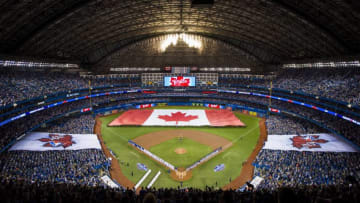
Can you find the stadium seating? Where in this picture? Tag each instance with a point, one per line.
(82, 167)
(67, 166)
(340, 85)
(276, 166)
(277, 125)
(17, 86)
(294, 168)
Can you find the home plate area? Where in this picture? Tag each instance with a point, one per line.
(177, 117)
(180, 150)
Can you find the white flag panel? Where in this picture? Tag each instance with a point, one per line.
(309, 142)
(43, 141)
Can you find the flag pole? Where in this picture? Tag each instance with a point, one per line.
(90, 93)
(270, 91)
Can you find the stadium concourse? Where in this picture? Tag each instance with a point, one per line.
(269, 86)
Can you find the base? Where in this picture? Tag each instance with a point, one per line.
(181, 174)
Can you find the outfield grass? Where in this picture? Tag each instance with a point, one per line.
(244, 140)
(194, 151)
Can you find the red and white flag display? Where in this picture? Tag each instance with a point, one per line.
(309, 142)
(42, 141)
(175, 117)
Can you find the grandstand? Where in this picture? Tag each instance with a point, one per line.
(180, 100)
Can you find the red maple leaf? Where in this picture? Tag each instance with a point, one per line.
(56, 140)
(179, 81)
(178, 116)
(307, 141)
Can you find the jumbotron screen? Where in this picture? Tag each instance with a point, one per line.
(179, 81)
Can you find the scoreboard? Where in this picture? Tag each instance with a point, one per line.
(179, 81)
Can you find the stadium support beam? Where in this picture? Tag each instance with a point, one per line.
(80, 4)
(106, 52)
(310, 21)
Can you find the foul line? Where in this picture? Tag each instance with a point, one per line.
(237, 139)
(246, 134)
(153, 180)
(113, 133)
(142, 179)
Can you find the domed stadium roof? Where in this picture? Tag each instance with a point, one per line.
(260, 31)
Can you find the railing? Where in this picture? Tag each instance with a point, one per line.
(293, 92)
(63, 93)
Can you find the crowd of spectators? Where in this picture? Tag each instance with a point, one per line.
(342, 127)
(342, 85)
(17, 86)
(277, 125)
(336, 84)
(295, 168)
(18, 127)
(78, 125)
(84, 166)
(20, 191)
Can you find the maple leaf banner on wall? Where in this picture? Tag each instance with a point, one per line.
(309, 142)
(43, 141)
(142, 106)
(175, 117)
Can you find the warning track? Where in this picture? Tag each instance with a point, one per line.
(115, 170)
(247, 170)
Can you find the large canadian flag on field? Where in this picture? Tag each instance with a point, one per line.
(43, 141)
(177, 117)
(309, 142)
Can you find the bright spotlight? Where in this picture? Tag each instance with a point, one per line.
(190, 40)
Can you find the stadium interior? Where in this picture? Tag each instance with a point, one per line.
(100, 98)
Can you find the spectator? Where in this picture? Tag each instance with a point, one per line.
(295, 168)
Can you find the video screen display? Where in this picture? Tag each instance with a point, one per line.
(179, 81)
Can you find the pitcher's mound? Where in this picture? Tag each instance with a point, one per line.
(180, 151)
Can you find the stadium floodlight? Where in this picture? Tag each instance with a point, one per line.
(339, 64)
(31, 64)
(190, 40)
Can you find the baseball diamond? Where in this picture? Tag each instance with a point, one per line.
(237, 144)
